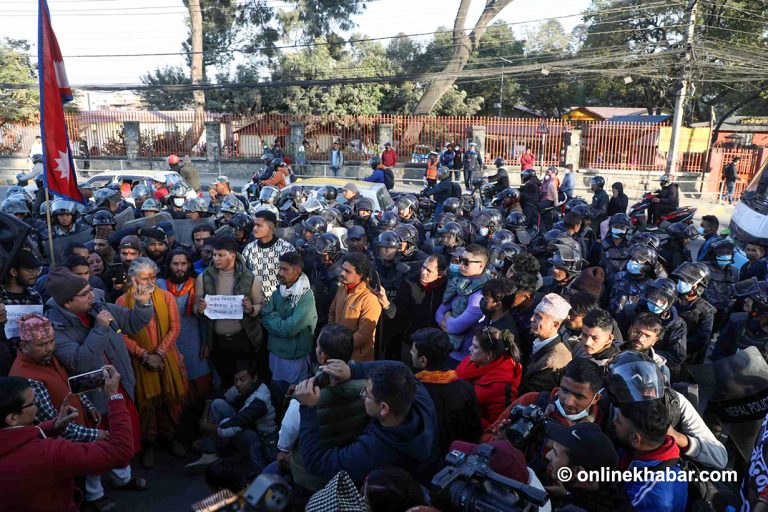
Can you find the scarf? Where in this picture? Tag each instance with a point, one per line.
(434, 285)
(460, 288)
(166, 387)
(437, 377)
(188, 288)
(296, 291)
(350, 288)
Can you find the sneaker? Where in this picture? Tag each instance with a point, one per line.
(202, 463)
(100, 505)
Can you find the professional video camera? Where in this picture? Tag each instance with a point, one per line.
(525, 423)
(268, 493)
(468, 484)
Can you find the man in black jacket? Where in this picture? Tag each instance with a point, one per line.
(730, 175)
(442, 190)
(666, 201)
(500, 180)
(458, 414)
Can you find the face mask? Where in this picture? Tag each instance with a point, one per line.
(684, 288)
(724, 261)
(579, 415)
(655, 308)
(634, 267)
(454, 267)
(700, 230)
(483, 231)
(178, 201)
(617, 233)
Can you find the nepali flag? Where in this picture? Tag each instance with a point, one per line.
(59, 176)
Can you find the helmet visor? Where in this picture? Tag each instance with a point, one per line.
(636, 381)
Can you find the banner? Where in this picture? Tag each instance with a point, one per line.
(224, 307)
(59, 174)
(16, 312)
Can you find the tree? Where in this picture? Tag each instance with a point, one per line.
(196, 28)
(17, 105)
(463, 44)
(548, 37)
(157, 99)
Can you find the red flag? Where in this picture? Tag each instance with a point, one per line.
(59, 175)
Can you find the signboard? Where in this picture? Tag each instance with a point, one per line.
(224, 307)
(542, 129)
(690, 140)
(14, 313)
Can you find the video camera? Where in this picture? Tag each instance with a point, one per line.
(525, 423)
(468, 484)
(268, 493)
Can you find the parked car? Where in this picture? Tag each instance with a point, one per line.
(420, 154)
(138, 177)
(376, 192)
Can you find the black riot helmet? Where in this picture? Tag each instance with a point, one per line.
(527, 175)
(682, 230)
(643, 255)
(499, 162)
(597, 181)
(388, 240)
(345, 211)
(442, 220)
(328, 193)
(634, 377)
(332, 217)
(487, 190)
(660, 295)
(388, 221)
(103, 218)
(410, 235)
(502, 236)
(363, 204)
(375, 161)
(620, 220)
(242, 221)
(269, 195)
(452, 229)
(325, 243)
(516, 221)
(567, 255)
(646, 239)
(691, 276)
(452, 205)
(314, 224)
(510, 196)
(500, 256)
(488, 218)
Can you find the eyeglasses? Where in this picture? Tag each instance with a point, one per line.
(466, 261)
(85, 293)
(29, 405)
(364, 394)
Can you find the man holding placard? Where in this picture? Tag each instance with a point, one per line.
(17, 296)
(234, 330)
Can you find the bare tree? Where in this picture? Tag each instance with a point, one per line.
(196, 28)
(463, 45)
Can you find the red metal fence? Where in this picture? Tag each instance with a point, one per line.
(603, 144)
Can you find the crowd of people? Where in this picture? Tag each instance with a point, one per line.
(372, 351)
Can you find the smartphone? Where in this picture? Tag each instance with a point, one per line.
(87, 381)
(375, 280)
(117, 270)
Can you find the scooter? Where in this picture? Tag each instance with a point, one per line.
(638, 213)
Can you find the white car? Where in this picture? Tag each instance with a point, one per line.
(139, 177)
(376, 192)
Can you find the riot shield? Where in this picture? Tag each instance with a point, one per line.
(183, 228)
(61, 244)
(123, 217)
(146, 222)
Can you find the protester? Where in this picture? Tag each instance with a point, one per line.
(262, 255)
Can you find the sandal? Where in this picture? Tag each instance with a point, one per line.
(136, 483)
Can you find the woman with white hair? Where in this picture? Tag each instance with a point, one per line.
(161, 382)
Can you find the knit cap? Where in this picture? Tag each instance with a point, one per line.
(63, 285)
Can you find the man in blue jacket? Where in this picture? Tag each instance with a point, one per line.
(403, 432)
(378, 171)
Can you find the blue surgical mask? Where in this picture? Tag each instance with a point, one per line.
(684, 288)
(483, 231)
(579, 415)
(634, 267)
(617, 232)
(724, 261)
(655, 308)
(700, 230)
(454, 267)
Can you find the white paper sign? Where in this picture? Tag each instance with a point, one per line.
(224, 307)
(14, 313)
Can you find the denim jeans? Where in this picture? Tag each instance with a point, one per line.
(729, 188)
(335, 170)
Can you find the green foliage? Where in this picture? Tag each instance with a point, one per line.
(17, 105)
(156, 99)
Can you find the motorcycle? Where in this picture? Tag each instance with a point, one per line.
(638, 213)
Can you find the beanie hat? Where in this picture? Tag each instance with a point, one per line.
(63, 285)
(34, 326)
(590, 281)
(554, 306)
(131, 242)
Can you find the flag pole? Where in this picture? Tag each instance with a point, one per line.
(50, 229)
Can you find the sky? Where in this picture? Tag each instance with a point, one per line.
(113, 27)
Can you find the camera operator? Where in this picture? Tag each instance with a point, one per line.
(403, 432)
(574, 401)
(38, 468)
(582, 447)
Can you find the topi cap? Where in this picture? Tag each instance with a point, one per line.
(34, 326)
(554, 306)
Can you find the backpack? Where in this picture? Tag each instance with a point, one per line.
(389, 178)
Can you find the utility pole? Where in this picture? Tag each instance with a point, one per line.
(501, 90)
(680, 101)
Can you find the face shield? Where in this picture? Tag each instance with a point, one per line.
(636, 381)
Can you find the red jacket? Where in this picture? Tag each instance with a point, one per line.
(37, 473)
(495, 385)
(389, 158)
(527, 161)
